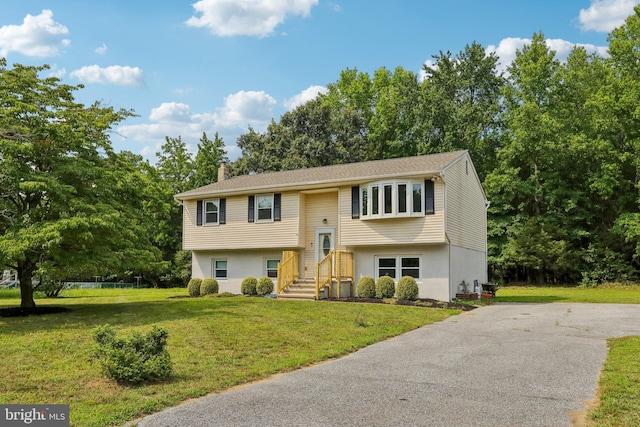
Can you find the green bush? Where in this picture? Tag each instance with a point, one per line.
(407, 288)
(209, 286)
(135, 358)
(366, 287)
(194, 287)
(264, 286)
(249, 286)
(226, 295)
(385, 287)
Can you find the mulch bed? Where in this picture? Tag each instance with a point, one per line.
(23, 312)
(421, 302)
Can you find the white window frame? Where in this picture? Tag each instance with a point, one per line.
(398, 265)
(216, 202)
(257, 208)
(367, 192)
(267, 269)
(214, 269)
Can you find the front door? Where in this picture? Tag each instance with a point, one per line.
(325, 242)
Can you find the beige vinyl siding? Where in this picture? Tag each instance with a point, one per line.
(391, 231)
(238, 233)
(466, 212)
(318, 206)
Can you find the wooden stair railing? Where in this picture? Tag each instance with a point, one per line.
(336, 265)
(288, 269)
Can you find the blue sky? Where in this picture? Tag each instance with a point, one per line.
(223, 65)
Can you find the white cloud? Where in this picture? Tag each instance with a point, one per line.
(171, 112)
(100, 50)
(303, 97)
(605, 15)
(173, 119)
(37, 36)
(246, 17)
(57, 72)
(506, 49)
(246, 108)
(115, 74)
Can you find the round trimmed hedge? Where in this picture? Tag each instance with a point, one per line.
(366, 287)
(248, 286)
(209, 286)
(194, 287)
(407, 288)
(264, 286)
(385, 287)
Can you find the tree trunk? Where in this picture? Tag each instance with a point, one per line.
(25, 273)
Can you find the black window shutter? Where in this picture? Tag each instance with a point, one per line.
(222, 215)
(355, 202)
(429, 198)
(199, 212)
(276, 207)
(252, 208)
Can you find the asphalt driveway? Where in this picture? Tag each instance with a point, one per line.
(502, 365)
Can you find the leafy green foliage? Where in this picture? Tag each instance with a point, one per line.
(385, 287)
(407, 289)
(51, 288)
(248, 286)
(209, 286)
(264, 286)
(133, 359)
(70, 205)
(210, 155)
(194, 287)
(366, 287)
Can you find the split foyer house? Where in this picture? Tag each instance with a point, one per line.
(321, 229)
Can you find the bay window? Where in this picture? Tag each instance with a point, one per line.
(392, 199)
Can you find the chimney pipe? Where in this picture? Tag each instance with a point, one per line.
(223, 173)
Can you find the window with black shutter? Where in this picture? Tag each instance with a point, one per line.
(429, 198)
(252, 208)
(199, 212)
(223, 211)
(355, 202)
(276, 207)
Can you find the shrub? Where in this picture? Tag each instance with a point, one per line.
(209, 286)
(407, 288)
(264, 286)
(226, 295)
(194, 287)
(249, 286)
(366, 287)
(135, 358)
(385, 287)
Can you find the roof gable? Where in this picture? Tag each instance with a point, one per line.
(328, 175)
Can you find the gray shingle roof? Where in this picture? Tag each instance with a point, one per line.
(324, 176)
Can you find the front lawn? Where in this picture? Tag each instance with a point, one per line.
(215, 343)
(618, 294)
(619, 392)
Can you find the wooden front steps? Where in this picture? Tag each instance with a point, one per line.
(302, 289)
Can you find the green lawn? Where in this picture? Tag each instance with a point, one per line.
(619, 391)
(609, 294)
(215, 343)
